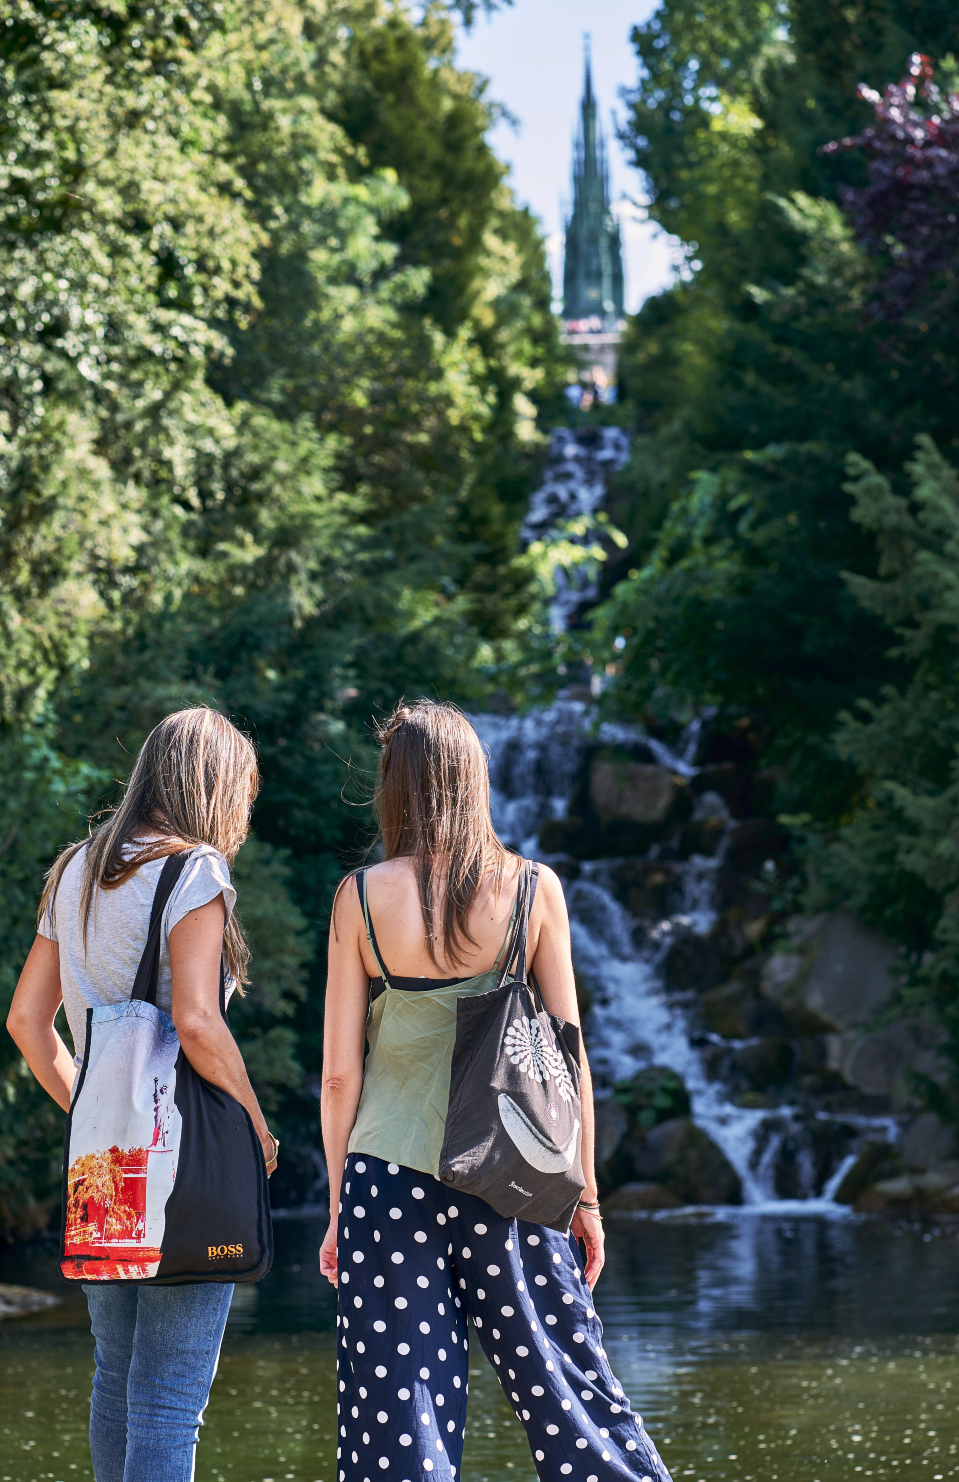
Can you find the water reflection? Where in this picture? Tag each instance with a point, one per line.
(759, 1348)
(741, 1271)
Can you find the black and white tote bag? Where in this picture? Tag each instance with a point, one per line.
(164, 1179)
(514, 1127)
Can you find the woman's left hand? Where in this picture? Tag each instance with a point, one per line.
(328, 1255)
(588, 1228)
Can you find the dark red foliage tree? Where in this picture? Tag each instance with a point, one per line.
(908, 212)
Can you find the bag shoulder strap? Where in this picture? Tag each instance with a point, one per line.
(370, 933)
(530, 897)
(148, 973)
(516, 948)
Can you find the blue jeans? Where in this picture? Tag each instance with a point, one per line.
(157, 1349)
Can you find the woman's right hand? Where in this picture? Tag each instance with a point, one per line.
(328, 1255)
(271, 1151)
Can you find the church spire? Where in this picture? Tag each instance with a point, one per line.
(593, 274)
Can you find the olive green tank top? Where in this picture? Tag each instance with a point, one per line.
(401, 1116)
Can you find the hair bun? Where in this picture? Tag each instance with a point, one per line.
(385, 732)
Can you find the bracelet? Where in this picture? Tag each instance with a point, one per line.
(590, 1208)
(276, 1147)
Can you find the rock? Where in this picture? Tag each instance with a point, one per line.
(801, 1152)
(649, 889)
(786, 1145)
(934, 1191)
(703, 835)
(753, 1101)
(805, 929)
(18, 1301)
(780, 974)
(722, 1010)
(849, 979)
(766, 1064)
(754, 840)
(831, 1139)
(875, 1063)
(684, 1158)
(612, 1125)
(782, 981)
(940, 1176)
(716, 1060)
(566, 867)
(735, 1012)
(692, 962)
(636, 1196)
(631, 792)
(654, 1094)
(875, 1159)
(927, 1140)
(561, 835)
(726, 779)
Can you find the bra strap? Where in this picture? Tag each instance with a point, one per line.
(511, 927)
(370, 933)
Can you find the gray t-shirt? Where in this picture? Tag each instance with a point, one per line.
(118, 928)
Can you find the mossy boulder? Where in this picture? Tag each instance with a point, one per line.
(633, 1197)
(653, 1095)
(684, 1158)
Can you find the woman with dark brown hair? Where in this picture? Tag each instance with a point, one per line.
(411, 1259)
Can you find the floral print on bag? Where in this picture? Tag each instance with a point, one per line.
(529, 1049)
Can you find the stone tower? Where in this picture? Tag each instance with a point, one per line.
(593, 273)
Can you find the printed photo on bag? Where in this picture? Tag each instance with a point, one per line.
(124, 1146)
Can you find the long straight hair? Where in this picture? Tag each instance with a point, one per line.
(432, 806)
(193, 782)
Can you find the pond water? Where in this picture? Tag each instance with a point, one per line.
(760, 1346)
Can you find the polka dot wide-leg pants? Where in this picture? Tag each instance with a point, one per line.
(415, 1261)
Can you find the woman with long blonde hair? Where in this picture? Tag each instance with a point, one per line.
(411, 1258)
(191, 789)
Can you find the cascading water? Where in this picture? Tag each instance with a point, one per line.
(633, 1021)
(573, 488)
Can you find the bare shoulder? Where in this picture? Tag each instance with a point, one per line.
(549, 895)
(400, 868)
(346, 912)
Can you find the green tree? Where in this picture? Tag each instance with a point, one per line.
(897, 860)
(757, 374)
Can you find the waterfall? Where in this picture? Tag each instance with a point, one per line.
(633, 1021)
(572, 489)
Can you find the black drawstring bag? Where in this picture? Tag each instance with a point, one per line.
(514, 1127)
(164, 1180)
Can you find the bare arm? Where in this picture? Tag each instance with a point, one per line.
(30, 1022)
(551, 960)
(344, 1032)
(196, 943)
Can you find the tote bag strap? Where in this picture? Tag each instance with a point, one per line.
(524, 926)
(148, 973)
(516, 951)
